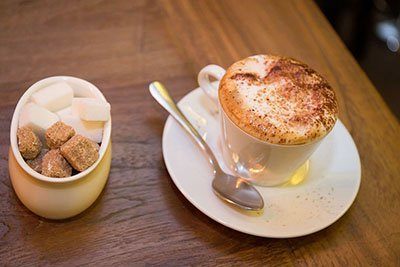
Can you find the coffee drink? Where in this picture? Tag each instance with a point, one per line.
(278, 100)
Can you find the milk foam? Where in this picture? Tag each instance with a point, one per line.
(278, 100)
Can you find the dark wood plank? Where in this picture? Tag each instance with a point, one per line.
(141, 218)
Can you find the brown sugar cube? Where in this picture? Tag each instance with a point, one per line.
(29, 143)
(54, 165)
(80, 152)
(36, 163)
(58, 133)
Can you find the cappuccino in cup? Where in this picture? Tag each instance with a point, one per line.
(274, 112)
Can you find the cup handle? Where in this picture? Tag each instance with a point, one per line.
(204, 80)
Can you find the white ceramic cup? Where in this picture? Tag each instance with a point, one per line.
(59, 198)
(257, 161)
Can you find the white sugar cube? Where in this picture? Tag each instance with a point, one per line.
(54, 97)
(37, 118)
(91, 109)
(65, 112)
(90, 129)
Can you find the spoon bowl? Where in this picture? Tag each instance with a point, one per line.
(237, 191)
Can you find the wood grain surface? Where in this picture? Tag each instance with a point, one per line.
(141, 218)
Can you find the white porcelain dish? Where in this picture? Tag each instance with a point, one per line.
(326, 193)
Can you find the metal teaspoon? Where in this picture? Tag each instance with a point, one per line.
(232, 189)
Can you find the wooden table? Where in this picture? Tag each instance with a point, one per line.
(141, 217)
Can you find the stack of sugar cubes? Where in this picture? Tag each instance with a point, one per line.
(59, 133)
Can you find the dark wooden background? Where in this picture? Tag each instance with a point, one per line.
(141, 217)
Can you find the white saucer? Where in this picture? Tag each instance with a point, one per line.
(318, 201)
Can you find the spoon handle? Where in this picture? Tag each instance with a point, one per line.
(161, 95)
